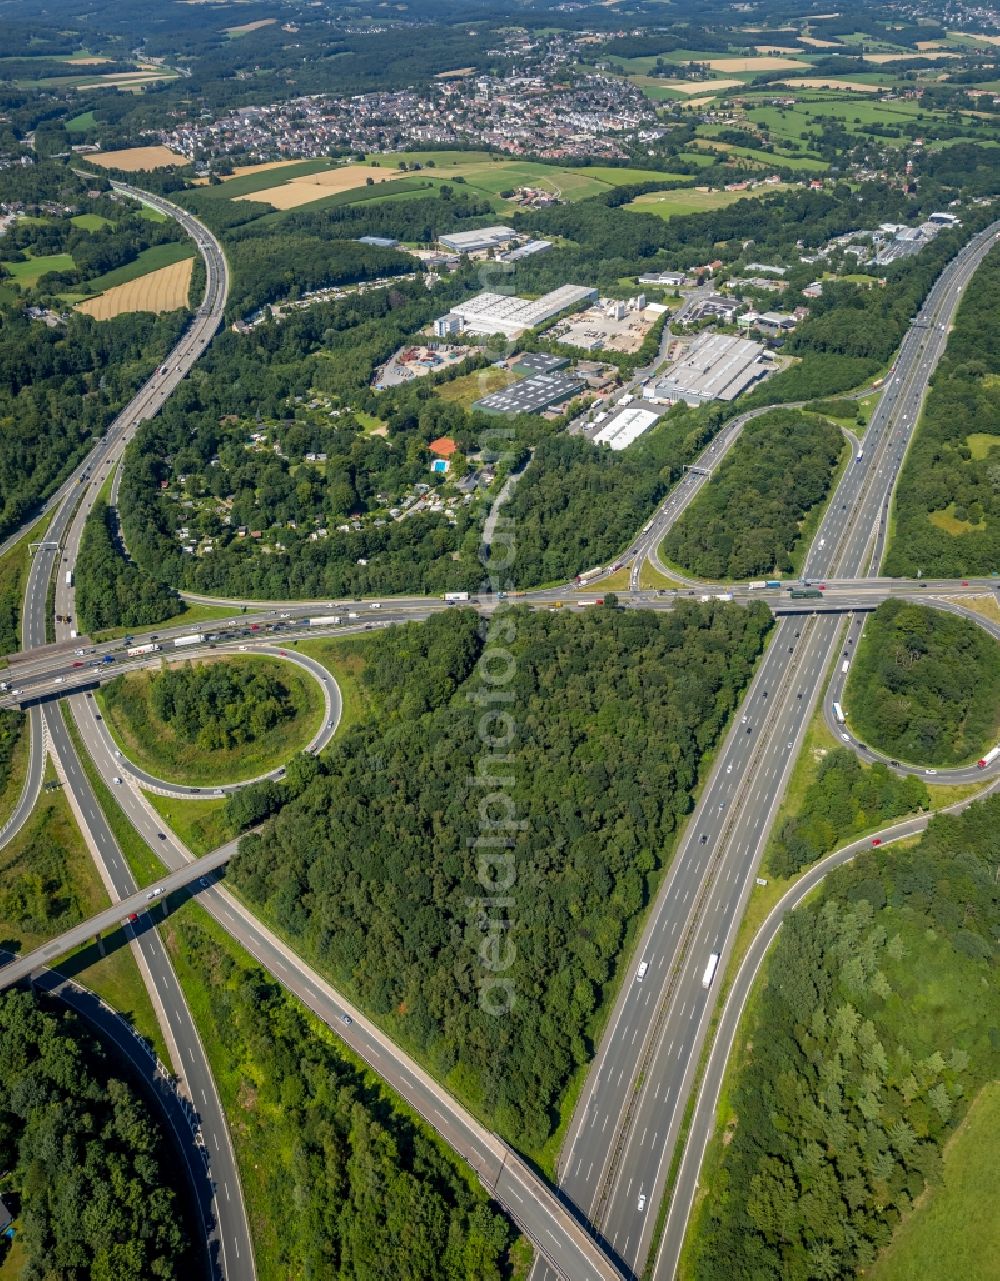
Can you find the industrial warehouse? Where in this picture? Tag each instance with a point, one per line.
(532, 395)
(507, 314)
(714, 367)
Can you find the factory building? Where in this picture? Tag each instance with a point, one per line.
(506, 314)
(532, 395)
(483, 238)
(715, 367)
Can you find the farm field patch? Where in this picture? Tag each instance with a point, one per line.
(162, 290)
(133, 159)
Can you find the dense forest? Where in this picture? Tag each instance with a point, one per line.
(219, 704)
(370, 871)
(925, 685)
(876, 1024)
(748, 519)
(111, 590)
(342, 1183)
(61, 387)
(947, 503)
(88, 1167)
(845, 799)
(577, 505)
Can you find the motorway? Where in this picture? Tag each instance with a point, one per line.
(227, 1232)
(621, 1140)
(614, 1165)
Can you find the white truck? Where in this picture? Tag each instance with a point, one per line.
(69, 578)
(193, 638)
(324, 620)
(845, 667)
(710, 968)
(137, 650)
(989, 758)
(456, 596)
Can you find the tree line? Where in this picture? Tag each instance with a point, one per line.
(870, 1034)
(370, 870)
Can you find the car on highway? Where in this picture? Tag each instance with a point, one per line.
(117, 780)
(930, 771)
(203, 882)
(346, 1018)
(77, 664)
(130, 919)
(846, 737)
(876, 840)
(641, 1203)
(154, 893)
(161, 836)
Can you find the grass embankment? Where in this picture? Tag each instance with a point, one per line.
(14, 567)
(344, 658)
(201, 825)
(142, 862)
(15, 741)
(954, 1228)
(157, 747)
(48, 883)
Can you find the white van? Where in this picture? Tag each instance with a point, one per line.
(640, 973)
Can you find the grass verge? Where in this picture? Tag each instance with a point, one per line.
(201, 825)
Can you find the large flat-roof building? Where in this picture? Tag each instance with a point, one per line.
(471, 242)
(625, 426)
(715, 367)
(532, 395)
(507, 314)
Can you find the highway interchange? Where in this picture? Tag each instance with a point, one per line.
(618, 1150)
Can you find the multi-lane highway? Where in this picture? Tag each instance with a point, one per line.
(616, 1159)
(614, 1165)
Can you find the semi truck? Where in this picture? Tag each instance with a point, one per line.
(838, 712)
(989, 758)
(805, 593)
(193, 638)
(136, 650)
(69, 578)
(450, 596)
(324, 620)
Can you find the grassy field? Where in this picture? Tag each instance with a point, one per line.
(471, 387)
(90, 222)
(154, 746)
(954, 1229)
(673, 204)
(85, 120)
(28, 273)
(201, 825)
(344, 658)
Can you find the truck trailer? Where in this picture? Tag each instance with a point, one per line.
(324, 620)
(136, 650)
(193, 638)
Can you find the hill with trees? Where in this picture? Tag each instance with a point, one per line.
(88, 1165)
(369, 872)
(748, 520)
(875, 1025)
(925, 685)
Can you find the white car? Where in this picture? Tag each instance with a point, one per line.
(846, 737)
(641, 1203)
(117, 780)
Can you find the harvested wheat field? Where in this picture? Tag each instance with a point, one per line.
(755, 64)
(817, 82)
(699, 86)
(820, 44)
(162, 290)
(930, 55)
(240, 171)
(134, 158)
(247, 27)
(314, 186)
